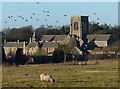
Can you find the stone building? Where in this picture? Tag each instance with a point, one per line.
(78, 31)
(11, 47)
(33, 46)
(100, 40)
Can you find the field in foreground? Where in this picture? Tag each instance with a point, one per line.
(104, 74)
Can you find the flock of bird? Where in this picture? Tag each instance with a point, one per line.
(34, 14)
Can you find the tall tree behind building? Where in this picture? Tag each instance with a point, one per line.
(23, 33)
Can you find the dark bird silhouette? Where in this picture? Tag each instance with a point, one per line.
(5, 21)
(15, 20)
(48, 15)
(22, 18)
(43, 11)
(37, 19)
(26, 20)
(56, 21)
(47, 11)
(8, 16)
(94, 13)
(11, 16)
(97, 18)
(26, 74)
(33, 13)
(45, 20)
(65, 15)
(31, 17)
(37, 2)
(97, 22)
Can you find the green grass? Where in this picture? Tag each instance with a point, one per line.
(104, 74)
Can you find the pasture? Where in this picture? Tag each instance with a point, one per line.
(103, 74)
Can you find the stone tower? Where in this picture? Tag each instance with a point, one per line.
(79, 27)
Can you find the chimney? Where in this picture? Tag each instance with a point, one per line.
(4, 40)
(24, 50)
(30, 40)
(18, 41)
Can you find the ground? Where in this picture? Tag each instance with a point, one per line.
(102, 74)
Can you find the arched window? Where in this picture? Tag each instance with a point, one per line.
(75, 25)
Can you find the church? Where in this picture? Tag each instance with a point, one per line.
(79, 31)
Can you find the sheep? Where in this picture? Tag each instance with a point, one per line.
(46, 77)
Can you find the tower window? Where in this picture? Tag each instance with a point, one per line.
(75, 25)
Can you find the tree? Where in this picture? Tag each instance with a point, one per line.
(65, 30)
(61, 52)
(19, 57)
(93, 27)
(4, 59)
(23, 33)
(58, 55)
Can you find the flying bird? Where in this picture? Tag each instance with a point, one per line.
(8, 16)
(22, 18)
(26, 20)
(15, 20)
(65, 15)
(97, 22)
(5, 21)
(37, 19)
(31, 17)
(37, 2)
(45, 20)
(11, 16)
(47, 11)
(33, 13)
(48, 15)
(94, 13)
(97, 18)
(56, 21)
(43, 11)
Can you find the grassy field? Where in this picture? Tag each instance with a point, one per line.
(104, 74)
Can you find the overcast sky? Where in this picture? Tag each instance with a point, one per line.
(56, 13)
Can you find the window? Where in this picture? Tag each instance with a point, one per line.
(75, 25)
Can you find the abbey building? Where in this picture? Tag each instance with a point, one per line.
(79, 31)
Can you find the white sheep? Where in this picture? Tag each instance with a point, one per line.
(46, 77)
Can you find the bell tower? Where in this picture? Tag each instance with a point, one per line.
(79, 27)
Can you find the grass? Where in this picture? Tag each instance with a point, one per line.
(104, 74)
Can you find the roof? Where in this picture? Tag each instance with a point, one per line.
(14, 44)
(53, 37)
(50, 44)
(33, 44)
(47, 37)
(60, 37)
(100, 37)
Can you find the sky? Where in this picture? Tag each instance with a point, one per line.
(56, 13)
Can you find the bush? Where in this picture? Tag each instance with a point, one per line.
(58, 55)
(98, 56)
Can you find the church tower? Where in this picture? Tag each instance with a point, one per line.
(79, 27)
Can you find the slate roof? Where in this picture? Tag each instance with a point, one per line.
(50, 44)
(59, 37)
(47, 37)
(100, 37)
(13, 44)
(33, 44)
(53, 37)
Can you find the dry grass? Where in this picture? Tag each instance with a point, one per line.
(103, 74)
